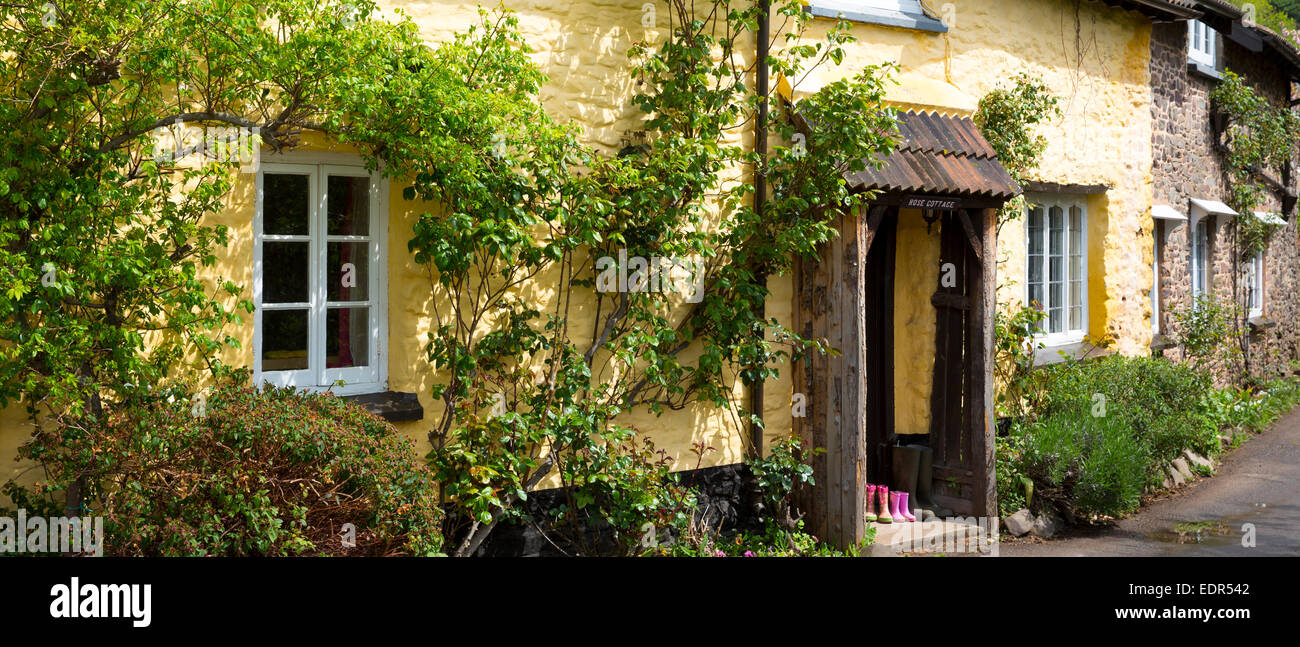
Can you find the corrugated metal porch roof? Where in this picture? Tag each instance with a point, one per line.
(940, 155)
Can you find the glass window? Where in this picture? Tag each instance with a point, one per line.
(1156, 234)
(1202, 43)
(318, 263)
(1200, 258)
(1057, 266)
(1255, 285)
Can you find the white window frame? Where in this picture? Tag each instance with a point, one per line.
(1046, 202)
(1255, 285)
(1200, 267)
(1155, 277)
(1202, 44)
(373, 377)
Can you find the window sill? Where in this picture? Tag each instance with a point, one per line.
(1201, 69)
(919, 22)
(390, 405)
(1059, 352)
(1259, 324)
(1160, 342)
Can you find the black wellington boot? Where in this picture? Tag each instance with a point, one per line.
(924, 504)
(906, 463)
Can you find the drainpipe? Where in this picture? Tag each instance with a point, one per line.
(760, 198)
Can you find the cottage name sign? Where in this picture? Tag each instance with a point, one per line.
(937, 202)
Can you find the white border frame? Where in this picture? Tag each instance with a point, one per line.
(1047, 339)
(358, 380)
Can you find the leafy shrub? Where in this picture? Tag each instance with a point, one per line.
(772, 541)
(1162, 402)
(779, 473)
(1254, 411)
(1086, 465)
(1014, 349)
(624, 485)
(1207, 332)
(270, 473)
(1014, 488)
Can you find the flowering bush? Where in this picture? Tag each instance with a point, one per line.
(267, 473)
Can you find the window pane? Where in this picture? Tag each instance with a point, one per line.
(285, 271)
(1057, 227)
(1076, 230)
(349, 206)
(284, 340)
(1036, 295)
(1201, 275)
(347, 273)
(346, 337)
(1076, 305)
(1056, 313)
(1036, 230)
(286, 204)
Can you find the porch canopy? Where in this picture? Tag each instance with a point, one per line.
(944, 167)
(940, 155)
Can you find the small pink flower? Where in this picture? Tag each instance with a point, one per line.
(750, 553)
(718, 553)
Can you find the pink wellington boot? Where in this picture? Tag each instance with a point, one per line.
(893, 507)
(871, 503)
(903, 506)
(884, 517)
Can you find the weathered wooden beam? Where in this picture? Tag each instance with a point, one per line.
(1032, 186)
(950, 300)
(971, 236)
(835, 413)
(873, 220)
(853, 430)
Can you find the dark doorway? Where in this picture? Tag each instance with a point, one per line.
(878, 306)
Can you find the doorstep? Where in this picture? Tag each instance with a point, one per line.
(894, 539)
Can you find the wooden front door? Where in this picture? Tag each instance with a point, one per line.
(959, 429)
(949, 426)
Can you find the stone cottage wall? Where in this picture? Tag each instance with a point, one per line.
(1187, 165)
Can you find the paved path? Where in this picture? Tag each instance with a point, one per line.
(1257, 484)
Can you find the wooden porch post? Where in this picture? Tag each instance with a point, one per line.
(829, 305)
(982, 429)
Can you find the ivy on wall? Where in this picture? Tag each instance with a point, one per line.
(1257, 138)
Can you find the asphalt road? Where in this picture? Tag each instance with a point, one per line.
(1258, 484)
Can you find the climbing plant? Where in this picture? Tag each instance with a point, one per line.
(536, 357)
(1007, 117)
(535, 383)
(1256, 138)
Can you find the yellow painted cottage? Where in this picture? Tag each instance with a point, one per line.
(916, 338)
